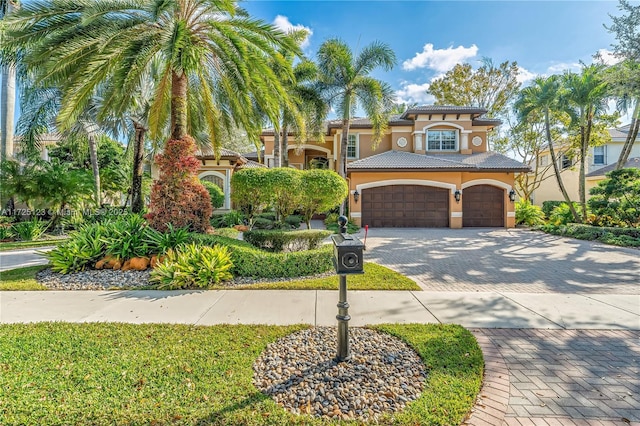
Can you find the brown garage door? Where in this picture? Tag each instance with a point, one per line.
(482, 205)
(405, 206)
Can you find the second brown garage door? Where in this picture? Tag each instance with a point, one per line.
(405, 206)
(482, 205)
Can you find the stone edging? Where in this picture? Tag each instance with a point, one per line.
(492, 401)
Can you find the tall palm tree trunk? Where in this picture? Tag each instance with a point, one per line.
(556, 168)
(342, 165)
(137, 202)
(178, 105)
(93, 156)
(285, 145)
(276, 148)
(631, 137)
(8, 100)
(584, 148)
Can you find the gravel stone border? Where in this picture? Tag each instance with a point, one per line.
(300, 374)
(109, 279)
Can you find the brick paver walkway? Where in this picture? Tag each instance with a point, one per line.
(532, 377)
(560, 377)
(513, 260)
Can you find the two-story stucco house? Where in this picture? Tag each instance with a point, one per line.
(431, 169)
(602, 159)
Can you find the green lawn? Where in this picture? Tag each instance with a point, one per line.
(21, 279)
(15, 245)
(375, 277)
(152, 374)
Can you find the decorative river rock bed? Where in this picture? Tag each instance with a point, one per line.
(300, 374)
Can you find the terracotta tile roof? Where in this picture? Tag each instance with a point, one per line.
(443, 109)
(401, 160)
(250, 164)
(207, 152)
(620, 132)
(631, 163)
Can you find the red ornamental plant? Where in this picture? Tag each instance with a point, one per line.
(177, 197)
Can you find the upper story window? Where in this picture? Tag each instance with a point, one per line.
(442, 140)
(352, 146)
(543, 160)
(599, 155)
(565, 162)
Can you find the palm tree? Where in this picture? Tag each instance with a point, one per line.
(8, 100)
(543, 97)
(624, 82)
(345, 82)
(586, 95)
(210, 50)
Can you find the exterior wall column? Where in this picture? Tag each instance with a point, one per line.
(464, 142)
(418, 146)
(227, 189)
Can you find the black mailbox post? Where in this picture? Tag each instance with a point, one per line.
(347, 259)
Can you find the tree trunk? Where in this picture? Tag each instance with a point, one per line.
(93, 156)
(342, 165)
(276, 148)
(137, 201)
(8, 111)
(8, 100)
(631, 137)
(285, 145)
(178, 105)
(584, 149)
(556, 168)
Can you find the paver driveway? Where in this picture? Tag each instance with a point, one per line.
(509, 260)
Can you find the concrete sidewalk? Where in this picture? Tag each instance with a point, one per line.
(471, 309)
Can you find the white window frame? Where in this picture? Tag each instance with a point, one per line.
(356, 137)
(564, 157)
(604, 155)
(456, 133)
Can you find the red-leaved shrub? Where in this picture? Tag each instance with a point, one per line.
(178, 197)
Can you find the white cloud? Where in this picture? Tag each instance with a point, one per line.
(441, 60)
(414, 93)
(283, 24)
(561, 67)
(525, 75)
(608, 57)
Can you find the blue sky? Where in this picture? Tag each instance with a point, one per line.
(430, 37)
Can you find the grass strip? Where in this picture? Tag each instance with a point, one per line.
(375, 277)
(17, 245)
(112, 373)
(21, 279)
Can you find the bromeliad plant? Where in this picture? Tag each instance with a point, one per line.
(161, 242)
(84, 248)
(30, 230)
(193, 266)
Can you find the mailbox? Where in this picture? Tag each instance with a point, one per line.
(347, 254)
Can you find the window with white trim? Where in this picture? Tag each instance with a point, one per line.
(543, 160)
(599, 155)
(352, 146)
(442, 140)
(565, 162)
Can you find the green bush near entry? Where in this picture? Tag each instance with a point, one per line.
(249, 261)
(282, 241)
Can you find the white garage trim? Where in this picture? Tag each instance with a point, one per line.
(491, 182)
(449, 186)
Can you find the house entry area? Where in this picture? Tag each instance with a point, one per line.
(405, 206)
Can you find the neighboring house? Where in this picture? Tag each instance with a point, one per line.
(602, 159)
(46, 142)
(431, 169)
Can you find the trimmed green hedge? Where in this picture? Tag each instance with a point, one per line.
(625, 237)
(248, 261)
(281, 241)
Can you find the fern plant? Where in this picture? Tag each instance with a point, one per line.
(529, 214)
(193, 266)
